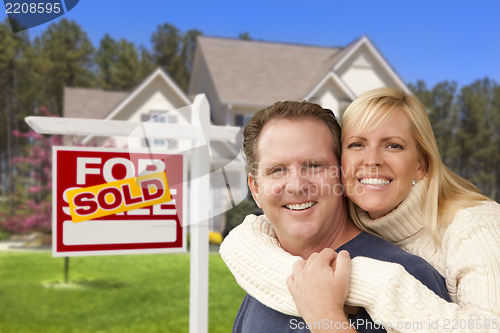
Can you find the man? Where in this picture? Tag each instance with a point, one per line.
(293, 151)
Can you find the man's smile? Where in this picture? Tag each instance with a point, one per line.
(301, 206)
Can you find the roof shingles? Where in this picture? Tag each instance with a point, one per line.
(90, 103)
(253, 72)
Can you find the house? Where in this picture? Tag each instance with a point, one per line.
(239, 78)
(158, 99)
(156, 95)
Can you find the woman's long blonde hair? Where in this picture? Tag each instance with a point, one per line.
(446, 192)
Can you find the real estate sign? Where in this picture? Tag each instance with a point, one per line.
(109, 201)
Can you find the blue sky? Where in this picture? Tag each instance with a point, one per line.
(431, 40)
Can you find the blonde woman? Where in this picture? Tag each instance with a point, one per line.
(430, 212)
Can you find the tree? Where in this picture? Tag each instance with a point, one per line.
(16, 89)
(440, 102)
(187, 54)
(104, 59)
(65, 59)
(495, 142)
(146, 63)
(476, 158)
(245, 36)
(126, 66)
(118, 63)
(467, 129)
(166, 45)
(173, 51)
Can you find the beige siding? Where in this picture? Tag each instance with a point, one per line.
(362, 73)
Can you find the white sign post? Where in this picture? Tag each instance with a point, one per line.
(201, 132)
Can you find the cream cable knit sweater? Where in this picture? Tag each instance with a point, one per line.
(469, 259)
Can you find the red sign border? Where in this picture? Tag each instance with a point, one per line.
(61, 250)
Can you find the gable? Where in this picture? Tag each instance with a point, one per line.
(154, 97)
(156, 92)
(331, 93)
(364, 69)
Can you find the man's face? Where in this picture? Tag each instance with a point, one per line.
(297, 181)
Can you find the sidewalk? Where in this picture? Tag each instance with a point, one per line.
(10, 245)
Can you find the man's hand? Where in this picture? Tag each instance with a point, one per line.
(320, 286)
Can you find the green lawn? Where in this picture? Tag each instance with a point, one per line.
(134, 293)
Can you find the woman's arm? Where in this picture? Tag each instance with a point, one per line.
(386, 290)
(471, 266)
(392, 296)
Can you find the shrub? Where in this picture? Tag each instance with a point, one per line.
(214, 238)
(32, 200)
(237, 214)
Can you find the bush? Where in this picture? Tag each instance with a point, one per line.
(214, 238)
(237, 214)
(32, 205)
(4, 235)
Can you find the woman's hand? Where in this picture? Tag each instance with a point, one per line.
(320, 285)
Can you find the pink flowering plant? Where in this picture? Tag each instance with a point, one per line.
(32, 200)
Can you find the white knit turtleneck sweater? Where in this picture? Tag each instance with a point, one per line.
(468, 258)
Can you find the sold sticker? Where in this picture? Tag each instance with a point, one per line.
(119, 196)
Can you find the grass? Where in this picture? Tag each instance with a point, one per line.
(138, 293)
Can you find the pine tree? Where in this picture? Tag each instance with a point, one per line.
(118, 64)
(440, 102)
(16, 89)
(66, 59)
(173, 51)
(475, 134)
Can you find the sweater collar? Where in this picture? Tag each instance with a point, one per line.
(401, 223)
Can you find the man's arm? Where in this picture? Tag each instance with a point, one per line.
(314, 307)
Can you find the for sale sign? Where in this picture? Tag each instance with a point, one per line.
(108, 201)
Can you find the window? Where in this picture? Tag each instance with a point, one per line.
(242, 119)
(238, 120)
(159, 116)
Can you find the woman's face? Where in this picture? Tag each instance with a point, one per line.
(380, 164)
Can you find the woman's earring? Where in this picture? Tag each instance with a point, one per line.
(414, 182)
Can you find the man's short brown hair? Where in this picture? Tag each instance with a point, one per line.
(290, 110)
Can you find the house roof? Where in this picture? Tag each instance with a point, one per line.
(90, 103)
(249, 72)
